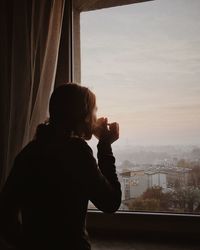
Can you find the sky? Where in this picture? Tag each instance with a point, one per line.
(143, 63)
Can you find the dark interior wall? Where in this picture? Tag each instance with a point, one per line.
(6, 17)
(15, 21)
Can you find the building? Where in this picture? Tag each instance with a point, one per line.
(133, 183)
(157, 178)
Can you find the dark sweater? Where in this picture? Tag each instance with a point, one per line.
(51, 184)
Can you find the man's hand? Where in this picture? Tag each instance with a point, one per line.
(103, 130)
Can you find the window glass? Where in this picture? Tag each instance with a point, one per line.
(143, 63)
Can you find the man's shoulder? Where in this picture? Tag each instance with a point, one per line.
(73, 141)
(78, 143)
(28, 149)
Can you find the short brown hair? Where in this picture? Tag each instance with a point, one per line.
(71, 105)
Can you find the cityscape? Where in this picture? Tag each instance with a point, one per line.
(159, 178)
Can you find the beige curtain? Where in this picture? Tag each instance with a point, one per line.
(30, 40)
(48, 61)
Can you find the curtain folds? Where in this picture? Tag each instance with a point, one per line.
(30, 41)
(43, 78)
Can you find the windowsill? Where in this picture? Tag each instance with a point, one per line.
(145, 224)
(147, 213)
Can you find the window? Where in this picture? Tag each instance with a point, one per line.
(143, 63)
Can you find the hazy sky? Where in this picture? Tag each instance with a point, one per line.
(143, 63)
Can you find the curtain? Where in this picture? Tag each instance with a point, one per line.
(30, 41)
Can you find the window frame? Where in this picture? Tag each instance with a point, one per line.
(129, 223)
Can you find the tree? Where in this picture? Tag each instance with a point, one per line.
(153, 199)
(183, 164)
(144, 204)
(187, 198)
(156, 192)
(194, 176)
